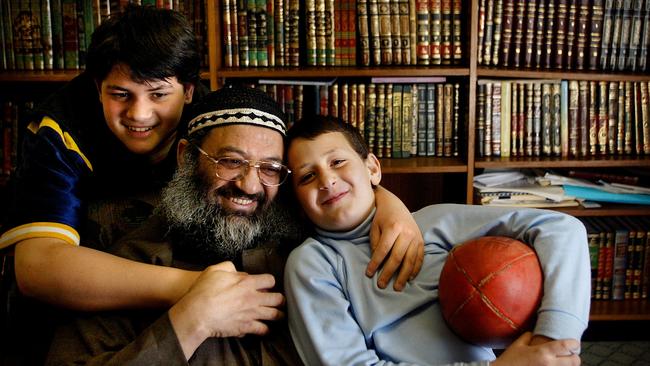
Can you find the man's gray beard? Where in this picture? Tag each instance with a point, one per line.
(210, 229)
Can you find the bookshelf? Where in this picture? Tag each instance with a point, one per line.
(454, 175)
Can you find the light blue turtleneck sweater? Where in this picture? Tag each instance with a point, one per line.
(338, 316)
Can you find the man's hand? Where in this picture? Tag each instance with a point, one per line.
(524, 352)
(395, 234)
(224, 303)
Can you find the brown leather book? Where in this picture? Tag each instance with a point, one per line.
(574, 120)
(560, 39)
(506, 29)
(584, 15)
(595, 35)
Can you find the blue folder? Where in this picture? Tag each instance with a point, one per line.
(594, 194)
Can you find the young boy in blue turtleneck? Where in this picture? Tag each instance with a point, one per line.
(338, 317)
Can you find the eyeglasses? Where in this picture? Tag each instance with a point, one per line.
(232, 169)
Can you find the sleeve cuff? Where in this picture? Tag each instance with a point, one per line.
(559, 325)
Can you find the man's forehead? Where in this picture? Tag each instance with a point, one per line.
(246, 140)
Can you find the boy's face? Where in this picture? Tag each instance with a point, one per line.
(332, 183)
(143, 115)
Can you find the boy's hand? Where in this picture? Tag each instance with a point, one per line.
(524, 352)
(395, 234)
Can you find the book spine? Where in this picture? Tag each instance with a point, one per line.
(396, 37)
(422, 120)
(406, 120)
(556, 134)
(320, 20)
(603, 117)
(506, 95)
(596, 34)
(448, 102)
(384, 32)
(375, 33)
(564, 118)
(397, 121)
(480, 124)
(540, 22)
(488, 119)
(435, 32)
(593, 118)
(612, 117)
(637, 124)
(280, 35)
(482, 4)
(70, 32)
(496, 119)
(606, 39)
(262, 35)
(81, 33)
(404, 31)
(294, 33)
(364, 35)
(353, 92)
(440, 119)
(629, 118)
(521, 120)
(423, 26)
(46, 35)
(530, 32)
(516, 148)
(242, 33)
(413, 31)
(361, 107)
(645, 39)
(617, 21)
(562, 21)
(571, 34)
(371, 117)
(251, 18)
(635, 35)
(620, 122)
(546, 119)
(270, 32)
(226, 29)
(574, 118)
(537, 119)
(620, 257)
(7, 22)
(506, 26)
(529, 127)
(488, 31)
(581, 43)
(388, 121)
(446, 32)
(457, 32)
(497, 32)
(380, 112)
(624, 43)
(583, 105)
(550, 33)
(431, 119)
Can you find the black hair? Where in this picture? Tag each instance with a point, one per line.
(154, 43)
(312, 126)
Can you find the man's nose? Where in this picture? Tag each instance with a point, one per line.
(250, 181)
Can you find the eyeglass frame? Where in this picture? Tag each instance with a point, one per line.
(245, 163)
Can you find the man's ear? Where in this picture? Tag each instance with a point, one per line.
(183, 144)
(189, 92)
(372, 163)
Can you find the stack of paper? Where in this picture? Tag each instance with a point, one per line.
(515, 189)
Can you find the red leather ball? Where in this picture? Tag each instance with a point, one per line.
(490, 289)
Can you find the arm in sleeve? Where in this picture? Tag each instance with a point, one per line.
(321, 321)
(47, 199)
(111, 340)
(559, 240)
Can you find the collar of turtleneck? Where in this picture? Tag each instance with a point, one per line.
(357, 235)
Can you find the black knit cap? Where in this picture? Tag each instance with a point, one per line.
(237, 105)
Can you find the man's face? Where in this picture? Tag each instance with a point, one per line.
(247, 142)
(143, 115)
(332, 182)
(221, 218)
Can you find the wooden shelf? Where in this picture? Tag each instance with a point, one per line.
(53, 76)
(523, 73)
(608, 210)
(332, 72)
(619, 310)
(556, 162)
(423, 165)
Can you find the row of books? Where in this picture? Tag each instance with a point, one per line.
(398, 120)
(562, 118)
(619, 248)
(269, 33)
(55, 34)
(576, 34)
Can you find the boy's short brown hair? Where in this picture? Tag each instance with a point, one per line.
(312, 126)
